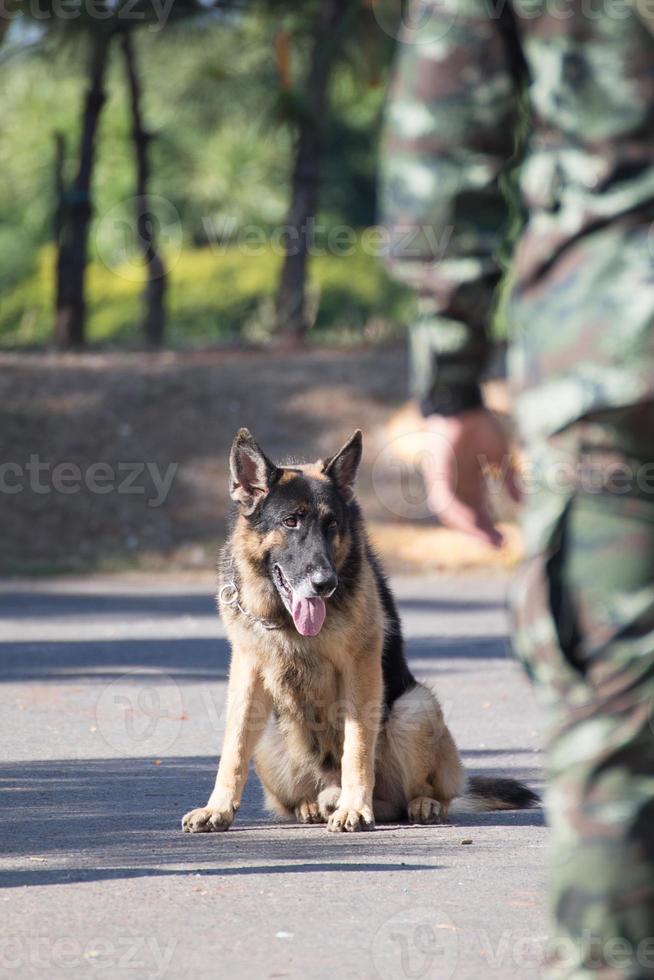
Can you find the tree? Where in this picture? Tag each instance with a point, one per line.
(155, 288)
(330, 20)
(74, 211)
(74, 207)
(8, 11)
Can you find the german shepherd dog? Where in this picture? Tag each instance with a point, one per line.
(319, 692)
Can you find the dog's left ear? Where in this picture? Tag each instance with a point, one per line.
(251, 472)
(342, 468)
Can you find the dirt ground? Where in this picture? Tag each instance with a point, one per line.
(118, 460)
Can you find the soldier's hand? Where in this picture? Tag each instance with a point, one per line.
(461, 450)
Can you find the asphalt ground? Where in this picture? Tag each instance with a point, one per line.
(112, 708)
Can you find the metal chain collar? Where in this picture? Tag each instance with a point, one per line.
(230, 590)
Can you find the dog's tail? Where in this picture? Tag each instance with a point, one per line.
(496, 793)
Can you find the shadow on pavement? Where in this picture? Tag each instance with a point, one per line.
(83, 820)
(459, 648)
(21, 879)
(449, 605)
(188, 659)
(34, 603)
(120, 818)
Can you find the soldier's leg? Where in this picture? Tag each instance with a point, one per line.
(586, 629)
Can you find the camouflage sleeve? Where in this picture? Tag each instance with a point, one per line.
(449, 134)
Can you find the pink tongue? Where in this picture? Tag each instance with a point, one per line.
(308, 615)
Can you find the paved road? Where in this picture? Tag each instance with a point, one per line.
(112, 714)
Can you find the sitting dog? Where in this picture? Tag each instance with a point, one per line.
(320, 693)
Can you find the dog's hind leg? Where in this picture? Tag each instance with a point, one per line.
(447, 777)
(419, 770)
(418, 761)
(290, 788)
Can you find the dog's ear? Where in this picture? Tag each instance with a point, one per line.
(251, 474)
(342, 468)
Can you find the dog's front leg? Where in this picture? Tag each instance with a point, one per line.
(362, 688)
(248, 707)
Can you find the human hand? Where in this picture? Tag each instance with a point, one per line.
(453, 469)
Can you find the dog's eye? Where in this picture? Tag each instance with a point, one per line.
(290, 522)
(332, 524)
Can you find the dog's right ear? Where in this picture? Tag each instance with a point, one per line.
(251, 474)
(342, 468)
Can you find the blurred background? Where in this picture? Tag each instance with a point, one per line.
(188, 245)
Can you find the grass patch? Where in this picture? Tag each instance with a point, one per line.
(213, 297)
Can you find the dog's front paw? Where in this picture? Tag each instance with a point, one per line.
(208, 819)
(351, 819)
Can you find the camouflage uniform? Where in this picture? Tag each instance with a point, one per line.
(581, 309)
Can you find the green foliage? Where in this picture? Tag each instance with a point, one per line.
(214, 296)
(30, 115)
(222, 150)
(221, 159)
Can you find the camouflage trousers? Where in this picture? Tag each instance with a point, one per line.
(584, 629)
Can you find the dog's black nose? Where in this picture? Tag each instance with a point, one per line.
(323, 580)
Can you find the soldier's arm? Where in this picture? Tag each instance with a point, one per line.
(449, 137)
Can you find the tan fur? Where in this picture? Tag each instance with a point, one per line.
(314, 470)
(327, 691)
(310, 710)
(289, 474)
(326, 756)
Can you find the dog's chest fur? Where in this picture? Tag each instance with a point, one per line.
(300, 680)
(306, 691)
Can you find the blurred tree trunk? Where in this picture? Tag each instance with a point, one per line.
(154, 315)
(59, 184)
(7, 11)
(74, 209)
(291, 312)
